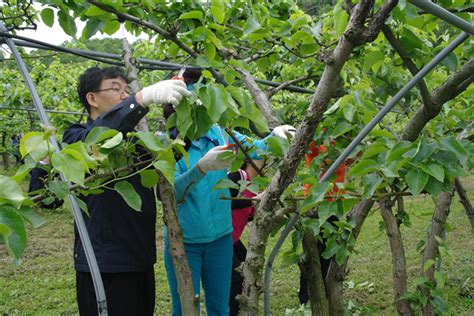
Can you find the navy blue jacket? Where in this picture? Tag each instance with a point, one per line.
(123, 239)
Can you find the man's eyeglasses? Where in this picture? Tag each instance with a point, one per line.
(117, 91)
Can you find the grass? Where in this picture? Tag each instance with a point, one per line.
(44, 283)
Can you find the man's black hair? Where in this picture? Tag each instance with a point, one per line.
(91, 79)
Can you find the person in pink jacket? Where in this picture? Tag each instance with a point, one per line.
(242, 213)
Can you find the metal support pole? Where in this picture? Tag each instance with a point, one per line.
(444, 14)
(79, 220)
(390, 104)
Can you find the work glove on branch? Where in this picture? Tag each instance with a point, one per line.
(214, 160)
(283, 131)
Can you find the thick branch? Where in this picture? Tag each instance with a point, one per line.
(259, 97)
(398, 257)
(438, 222)
(336, 273)
(311, 269)
(133, 81)
(465, 201)
(176, 248)
(456, 83)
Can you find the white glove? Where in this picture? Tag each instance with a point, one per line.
(283, 130)
(212, 161)
(166, 91)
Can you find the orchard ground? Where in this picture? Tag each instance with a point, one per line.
(44, 283)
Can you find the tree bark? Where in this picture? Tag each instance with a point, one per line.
(398, 257)
(454, 85)
(176, 248)
(465, 201)
(260, 98)
(132, 76)
(431, 247)
(311, 269)
(336, 273)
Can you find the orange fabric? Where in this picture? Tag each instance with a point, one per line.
(314, 151)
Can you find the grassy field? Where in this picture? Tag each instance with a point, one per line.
(44, 283)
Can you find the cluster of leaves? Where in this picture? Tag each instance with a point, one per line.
(102, 162)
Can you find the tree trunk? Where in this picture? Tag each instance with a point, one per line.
(431, 247)
(176, 248)
(398, 257)
(465, 201)
(336, 274)
(132, 76)
(311, 269)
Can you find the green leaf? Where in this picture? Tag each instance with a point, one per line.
(218, 10)
(424, 153)
(67, 23)
(128, 193)
(31, 216)
(148, 178)
(364, 167)
(349, 111)
(317, 195)
(331, 248)
(434, 170)
(59, 188)
(452, 144)
(34, 144)
(99, 134)
(371, 183)
(47, 15)
(440, 278)
(111, 26)
(341, 18)
(72, 168)
(371, 59)
(450, 61)
(226, 184)
(12, 229)
(434, 187)
(113, 142)
(10, 193)
(150, 141)
(416, 181)
(251, 25)
(91, 28)
(396, 153)
(191, 15)
(218, 99)
(428, 264)
(374, 150)
(21, 173)
(166, 168)
(94, 11)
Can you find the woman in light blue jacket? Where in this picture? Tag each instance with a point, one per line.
(206, 219)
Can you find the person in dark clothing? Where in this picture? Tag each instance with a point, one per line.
(242, 213)
(123, 239)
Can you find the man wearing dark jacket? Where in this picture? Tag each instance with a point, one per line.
(123, 239)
